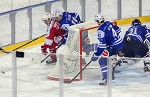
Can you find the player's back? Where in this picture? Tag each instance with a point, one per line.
(70, 18)
(111, 35)
(137, 32)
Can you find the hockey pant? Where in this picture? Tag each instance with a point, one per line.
(52, 49)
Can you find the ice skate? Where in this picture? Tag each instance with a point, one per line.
(51, 62)
(103, 82)
(146, 69)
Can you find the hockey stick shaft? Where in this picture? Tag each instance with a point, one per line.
(50, 54)
(28, 42)
(2, 50)
(78, 73)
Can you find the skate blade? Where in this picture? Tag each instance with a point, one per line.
(50, 64)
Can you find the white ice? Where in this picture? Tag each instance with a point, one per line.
(32, 77)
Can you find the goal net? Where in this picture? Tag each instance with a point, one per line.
(80, 43)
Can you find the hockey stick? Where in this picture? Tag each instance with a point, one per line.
(2, 50)
(50, 53)
(69, 81)
(2, 71)
(21, 45)
(28, 42)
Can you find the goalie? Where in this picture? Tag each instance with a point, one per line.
(134, 42)
(54, 37)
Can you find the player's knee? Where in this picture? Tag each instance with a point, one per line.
(103, 62)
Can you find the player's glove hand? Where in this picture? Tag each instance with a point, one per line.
(58, 39)
(44, 49)
(63, 41)
(94, 57)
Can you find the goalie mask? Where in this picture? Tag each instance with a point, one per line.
(136, 22)
(99, 18)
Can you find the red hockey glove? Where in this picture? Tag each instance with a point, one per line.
(44, 49)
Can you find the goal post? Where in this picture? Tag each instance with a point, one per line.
(80, 43)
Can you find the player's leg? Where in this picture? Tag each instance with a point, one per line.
(53, 57)
(103, 65)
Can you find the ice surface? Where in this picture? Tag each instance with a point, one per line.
(32, 79)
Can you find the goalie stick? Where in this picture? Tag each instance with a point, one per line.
(2, 50)
(69, 81)
(7, 52)
(28, 42)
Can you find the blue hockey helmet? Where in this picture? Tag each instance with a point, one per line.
(136, 22)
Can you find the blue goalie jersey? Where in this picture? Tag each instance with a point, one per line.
(140, 32)
(108, 36)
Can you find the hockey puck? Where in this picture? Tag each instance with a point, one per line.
(3, 72)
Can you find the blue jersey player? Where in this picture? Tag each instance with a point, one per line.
(66, 20)
(109, 39)
(134, 40)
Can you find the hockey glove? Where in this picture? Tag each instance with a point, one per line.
(44, 49)
(58, 39)
(94, 57)
(63, 41)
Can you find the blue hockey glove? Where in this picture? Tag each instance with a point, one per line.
(94, 57)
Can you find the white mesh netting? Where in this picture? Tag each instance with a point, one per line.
(71, 52)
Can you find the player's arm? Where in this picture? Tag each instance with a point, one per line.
(65, 28)
(117, 29)
(101, 46)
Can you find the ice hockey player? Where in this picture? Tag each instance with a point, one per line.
(134, 40)
(109, 39)
(54, 36)
(66, 19)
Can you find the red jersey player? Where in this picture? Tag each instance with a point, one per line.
(54, 36)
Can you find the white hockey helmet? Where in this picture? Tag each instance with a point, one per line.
(57, 13)
(46, 16)
(99, 18)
